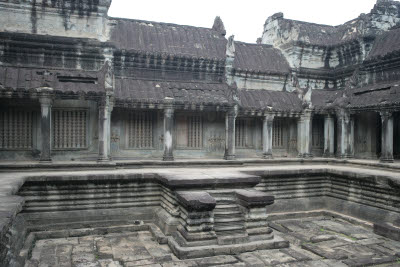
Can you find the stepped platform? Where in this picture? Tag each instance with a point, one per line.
(192, 213)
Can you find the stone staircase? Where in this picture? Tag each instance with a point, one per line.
(229, 222)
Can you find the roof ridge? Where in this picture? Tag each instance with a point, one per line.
(159, 22)
(254, 44)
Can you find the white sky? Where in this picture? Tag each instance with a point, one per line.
(245, 18)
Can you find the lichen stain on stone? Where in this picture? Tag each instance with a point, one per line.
(34, 17)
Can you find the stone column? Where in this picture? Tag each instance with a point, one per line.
(267, 136)
(387, 137)
(105, 109)
(305, 135)
(346, 135)
(168, 131)
(230, 134)
(329, 136)
(45, 125)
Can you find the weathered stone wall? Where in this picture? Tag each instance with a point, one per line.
(56, 52)
(213, 137)
(79, 19)
(88, 152)
(366, 197)
(260, 81)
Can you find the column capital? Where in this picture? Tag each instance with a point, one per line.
(385, 114)
(269, 117)
(46, 101)
(233, 111)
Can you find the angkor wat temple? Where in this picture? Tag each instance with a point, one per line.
(91, 106)
(76, 84)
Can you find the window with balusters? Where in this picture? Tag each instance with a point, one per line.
(16, 128)
(195, 131)
(277, 133)
(244, 133)
(140, 130)
(69, 129)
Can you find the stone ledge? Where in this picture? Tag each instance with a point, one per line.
(254, 198)
(215, 250)
(387, 230)
(196, 201)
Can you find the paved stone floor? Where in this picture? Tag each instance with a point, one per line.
(314, 241)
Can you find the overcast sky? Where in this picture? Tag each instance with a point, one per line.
(245, 18)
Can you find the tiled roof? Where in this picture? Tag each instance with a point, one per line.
(385, 44)
(61, 80)
(323, 99)
(371, 96)
(156, 37)
(269, 100)
(259, 57)
(147, 91)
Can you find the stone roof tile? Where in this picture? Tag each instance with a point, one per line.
(269, 100)
(183, 92)
(259, 57)
(168, 38)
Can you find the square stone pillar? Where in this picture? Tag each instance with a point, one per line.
(168, 131)
(45, 125)
(387, 137)
(346, 134)
(105, 109)
(230, 121)
(268, 123)
(329, 136)
(304, 130)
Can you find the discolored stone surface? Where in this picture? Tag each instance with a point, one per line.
(314, 241)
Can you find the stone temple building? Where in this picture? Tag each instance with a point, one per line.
(76, 84)
(256, 138)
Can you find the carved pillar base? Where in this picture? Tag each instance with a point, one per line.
(305, 135)
(105, 109)
(45, 123)
(267, 136)
(387, 137)
(230, 120)
(168, 131)
(329, 136)
(347, 135)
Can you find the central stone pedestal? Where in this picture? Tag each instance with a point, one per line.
(215, 216)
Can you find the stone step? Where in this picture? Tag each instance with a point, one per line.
(228, 227)
(227, 214)
(233, 232)
(226, 207)
(229, 220)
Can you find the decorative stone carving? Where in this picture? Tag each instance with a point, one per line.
(219, 26)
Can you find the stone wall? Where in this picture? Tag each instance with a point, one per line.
(83, 19)
(367, 197)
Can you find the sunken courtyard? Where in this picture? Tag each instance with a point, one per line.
(128, 143)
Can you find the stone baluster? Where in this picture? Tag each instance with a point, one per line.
(168, 130)
(304, 129)
(230, 120)
(267, 136)
(387, 137)
(329, 136)
(346, 133)
(105, 109)
(45, 124)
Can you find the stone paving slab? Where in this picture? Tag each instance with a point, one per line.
(349, 248)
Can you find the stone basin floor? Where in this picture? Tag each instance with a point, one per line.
(314, 241)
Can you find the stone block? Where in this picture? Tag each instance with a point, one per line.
(196, 201)
(253, 198)
(387, 230)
